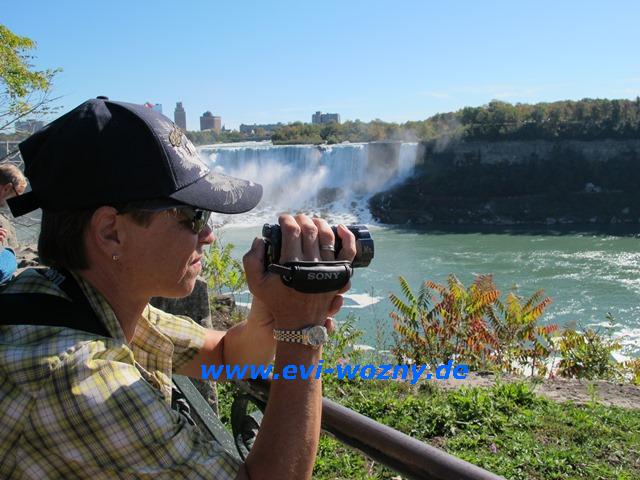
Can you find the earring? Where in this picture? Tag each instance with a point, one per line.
(115, 257)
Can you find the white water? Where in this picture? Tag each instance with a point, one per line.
(332, 181)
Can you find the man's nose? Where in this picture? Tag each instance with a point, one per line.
(206, 236)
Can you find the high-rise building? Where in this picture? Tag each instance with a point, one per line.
(206, 121)
(180, 116)
(319, 118)
(217, 124)
(209, 122)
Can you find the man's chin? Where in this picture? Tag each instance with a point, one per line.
(181, 290)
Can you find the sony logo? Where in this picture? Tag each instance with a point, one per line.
(323, 276)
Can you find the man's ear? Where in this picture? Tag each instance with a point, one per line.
(105, 231)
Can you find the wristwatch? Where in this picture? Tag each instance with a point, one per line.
(315, 335)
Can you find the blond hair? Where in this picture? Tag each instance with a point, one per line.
(10, 174)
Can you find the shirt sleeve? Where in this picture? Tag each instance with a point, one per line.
(98, 418)
(188, 337)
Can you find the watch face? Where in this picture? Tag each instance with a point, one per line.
(317, 335)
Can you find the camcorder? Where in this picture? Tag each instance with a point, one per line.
(320, 276)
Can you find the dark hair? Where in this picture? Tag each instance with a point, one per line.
(61, 242)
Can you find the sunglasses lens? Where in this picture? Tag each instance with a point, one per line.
(200, 220)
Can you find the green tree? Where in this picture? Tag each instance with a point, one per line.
(25, 91)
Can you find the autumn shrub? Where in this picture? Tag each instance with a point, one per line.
(471, 325)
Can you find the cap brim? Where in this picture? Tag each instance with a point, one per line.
(220, 193)
(23, 204)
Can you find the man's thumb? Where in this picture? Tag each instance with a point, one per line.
(253, 260)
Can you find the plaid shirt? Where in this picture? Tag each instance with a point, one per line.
(75, 405)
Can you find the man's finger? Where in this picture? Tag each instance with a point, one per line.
(330, 325)
(309, 233)
(348, 250)
(325, 239)
(291, 250)
(336, 305)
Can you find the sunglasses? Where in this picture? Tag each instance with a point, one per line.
(194, 218)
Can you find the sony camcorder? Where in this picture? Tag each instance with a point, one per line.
(320, 276)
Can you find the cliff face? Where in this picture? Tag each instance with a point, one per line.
(519, 152)
(507, 183)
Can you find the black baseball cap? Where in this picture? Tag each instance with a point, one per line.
(109, 153)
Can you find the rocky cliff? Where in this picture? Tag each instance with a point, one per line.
(518, 182)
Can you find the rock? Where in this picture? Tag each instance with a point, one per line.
(195, 306)
(328, 195)
(223, 304)
(27, 256)
(591, 188)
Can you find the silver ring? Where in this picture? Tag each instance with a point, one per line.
(329, 248)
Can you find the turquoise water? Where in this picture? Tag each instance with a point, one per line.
(586, 275)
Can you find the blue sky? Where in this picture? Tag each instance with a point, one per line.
(270, 61)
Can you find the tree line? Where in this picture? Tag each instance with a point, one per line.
(586, 119)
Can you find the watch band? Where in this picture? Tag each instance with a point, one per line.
(292, 336)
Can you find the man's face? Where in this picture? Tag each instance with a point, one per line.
(163, 258)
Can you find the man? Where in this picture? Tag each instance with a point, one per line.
(12, 183)
(125, 203)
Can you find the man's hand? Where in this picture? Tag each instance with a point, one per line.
(287, 442)
(301, 240)
(3, 234)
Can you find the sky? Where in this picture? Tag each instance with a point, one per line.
(280, 61)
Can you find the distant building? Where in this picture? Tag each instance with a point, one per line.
(28, 126)
(253, 129)
(206, 121)
(320, 118)
(154, 106)
(180, 116)
(210, 122)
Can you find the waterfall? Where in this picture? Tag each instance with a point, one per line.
(333, 181)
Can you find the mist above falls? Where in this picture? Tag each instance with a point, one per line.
(332, 181)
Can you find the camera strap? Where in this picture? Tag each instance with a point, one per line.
(314, 277)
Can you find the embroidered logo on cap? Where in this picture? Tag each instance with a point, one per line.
(175, 137)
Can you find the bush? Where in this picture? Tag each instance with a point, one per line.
(222, 271)
(471, 325)
(588, 354)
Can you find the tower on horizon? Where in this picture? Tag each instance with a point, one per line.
(180, 116)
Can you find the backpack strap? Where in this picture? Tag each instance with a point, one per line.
(51, 310)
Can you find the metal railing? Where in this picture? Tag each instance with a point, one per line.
(408, 456)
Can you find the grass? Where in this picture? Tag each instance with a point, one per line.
(506, 429)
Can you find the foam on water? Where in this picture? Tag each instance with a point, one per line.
(334, 181)
(361, 300)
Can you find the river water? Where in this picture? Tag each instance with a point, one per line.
(586, 274)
